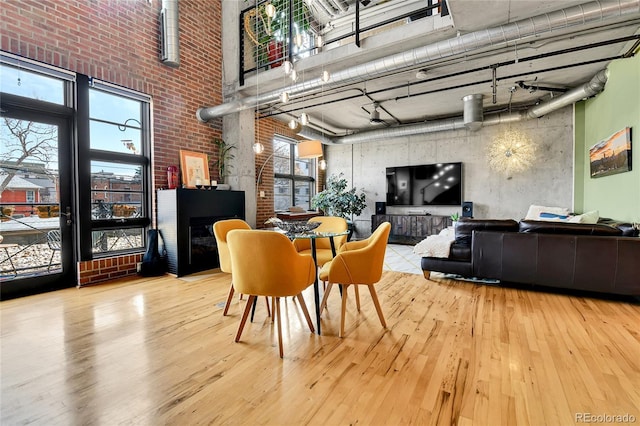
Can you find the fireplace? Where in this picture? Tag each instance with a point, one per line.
(185, 220)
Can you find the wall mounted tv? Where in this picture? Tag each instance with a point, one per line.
(426, 185)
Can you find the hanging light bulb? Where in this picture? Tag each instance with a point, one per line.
(297, 40)
(319, 41)
(322, 164)
(304, 118)
(294, 75)
(284, 97)
(288, 67)
(293, 123)
(325, 76)
(258, 148)
(270, 10)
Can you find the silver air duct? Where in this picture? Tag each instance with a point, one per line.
(584, 14)
(169, 34)
(587, 90)
(472, 112)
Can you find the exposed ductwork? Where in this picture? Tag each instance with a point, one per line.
(472, 113)
(587, 90)
(169, 37)
(584, 14)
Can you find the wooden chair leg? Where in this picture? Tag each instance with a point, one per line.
(427, 274)
(344, 309)
(266, 300)
(229, 298)
(323, 304)
(376, 303)
(276, 309)
(355, 289)
(245, 315)
(273, 304)
(303, 306)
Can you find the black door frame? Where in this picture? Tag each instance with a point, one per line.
(62, 116)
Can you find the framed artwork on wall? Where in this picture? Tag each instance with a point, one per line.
(195, 169)
(611, 155)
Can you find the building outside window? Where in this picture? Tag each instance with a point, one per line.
(294, 177)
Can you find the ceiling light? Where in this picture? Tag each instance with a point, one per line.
(258, 148)
(322, 164)
(294, 75)
(284, 97)
(511, 152)
(375, 116)
(422, 74)
(319, 41)
(304, 118)
(325, 76)
(270, 10)
(293, 123)
(287, 67)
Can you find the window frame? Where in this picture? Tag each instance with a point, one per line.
(292, 177)
(86, 155)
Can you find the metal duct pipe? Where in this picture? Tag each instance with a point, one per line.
(591, 88)
(472, 111)
(169, 35)
(311, 134)
(583, 14)
(328, 8)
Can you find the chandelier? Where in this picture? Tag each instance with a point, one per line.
(511, 152)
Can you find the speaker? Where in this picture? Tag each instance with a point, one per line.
(467, 209)
(381, 207)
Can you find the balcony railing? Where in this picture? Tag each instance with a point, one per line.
(292, 34)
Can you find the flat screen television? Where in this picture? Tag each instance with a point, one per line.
(426, 185)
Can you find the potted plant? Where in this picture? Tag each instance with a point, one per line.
(270, 33)
(455, 217)
(336, 200)
(224, 155)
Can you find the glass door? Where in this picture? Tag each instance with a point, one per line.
(36, 220)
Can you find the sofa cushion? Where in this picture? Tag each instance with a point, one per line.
(466, 226)
(628, 230)
(544, 227)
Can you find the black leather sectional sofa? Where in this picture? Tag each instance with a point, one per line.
(602, 257)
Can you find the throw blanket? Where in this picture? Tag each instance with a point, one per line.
(436, 245)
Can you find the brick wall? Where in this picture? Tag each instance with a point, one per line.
(117, 41)
(264, 134)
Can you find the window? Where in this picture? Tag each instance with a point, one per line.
(294, 177)
(119, 168)
(31, 197)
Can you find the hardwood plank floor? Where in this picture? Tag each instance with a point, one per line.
(159, 351)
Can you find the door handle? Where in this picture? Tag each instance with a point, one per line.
(68, 215)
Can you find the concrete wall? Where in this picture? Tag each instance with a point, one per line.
(549, 182)
(615, 196)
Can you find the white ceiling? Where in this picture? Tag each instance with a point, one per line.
(405, 99)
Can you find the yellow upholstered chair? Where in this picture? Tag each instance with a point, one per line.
(357, 263)
(265, 263)
(323, 245)
(220, 229)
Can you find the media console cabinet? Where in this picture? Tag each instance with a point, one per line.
(411, 229)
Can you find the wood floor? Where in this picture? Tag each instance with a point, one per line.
(158, 351)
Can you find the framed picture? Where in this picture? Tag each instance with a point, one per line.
(611, 155)
(195, 168)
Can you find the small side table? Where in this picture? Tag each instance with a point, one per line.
(5, 247)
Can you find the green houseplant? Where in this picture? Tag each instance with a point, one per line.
(336, 200)
(224, 155)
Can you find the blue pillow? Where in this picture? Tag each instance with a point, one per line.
(545, 215)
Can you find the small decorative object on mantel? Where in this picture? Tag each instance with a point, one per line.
(195, 168)
(455, 218)
(611, 155)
